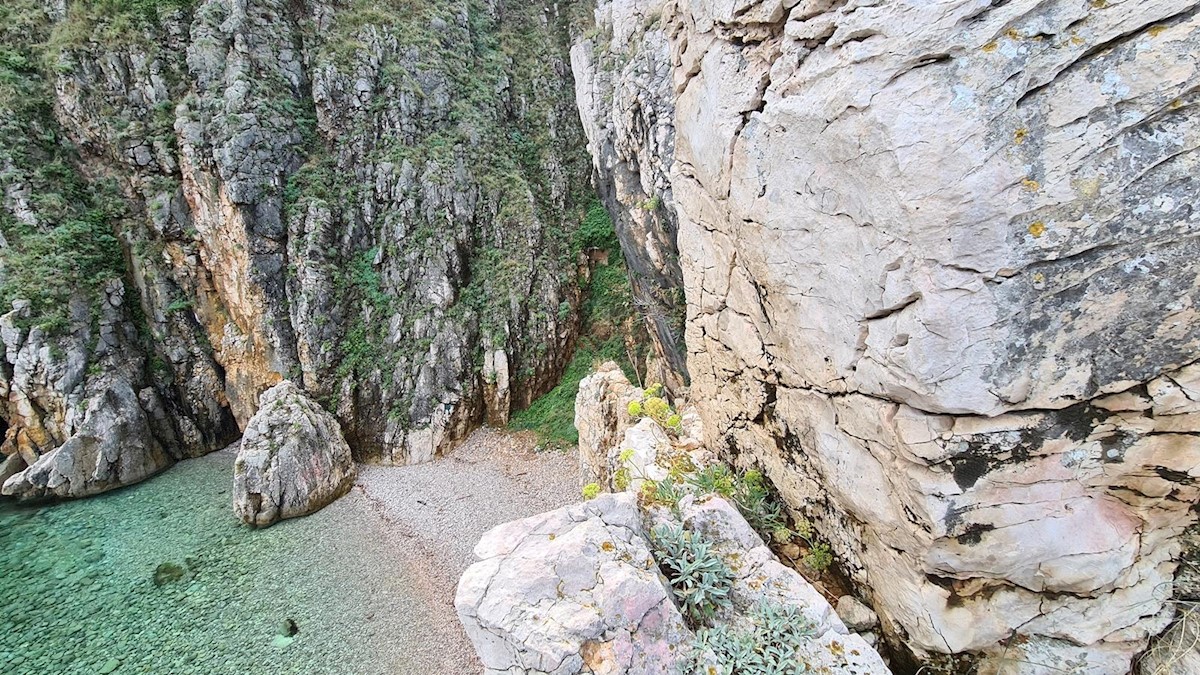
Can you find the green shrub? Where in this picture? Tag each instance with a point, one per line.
(48, 266)
(700, 580)
(756, 501)
(773, 646)
(654, 406)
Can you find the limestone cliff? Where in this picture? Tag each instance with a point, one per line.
(375, 200)
(940, 267)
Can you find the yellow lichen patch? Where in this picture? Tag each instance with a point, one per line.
(1039, 278)
(1099, 4)
(1155, 31)
(552, 536)
(1019, 135)
(608, 547)
(1030, 185)
(989, 47)
(1037, 228)
(1076, 40)
(1012, 34)
(1087, 188)
(1176, 104)
(836, 648)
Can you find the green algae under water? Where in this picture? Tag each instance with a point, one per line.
(77, 584)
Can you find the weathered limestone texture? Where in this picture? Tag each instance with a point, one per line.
(578, 590)
(292, 460)
(623, 91)
(940, 262)
(74, 433)
(601, 417)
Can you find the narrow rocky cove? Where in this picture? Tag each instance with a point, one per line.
(158, 578)
(600, 336)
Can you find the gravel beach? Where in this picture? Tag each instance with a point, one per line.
(436, 512)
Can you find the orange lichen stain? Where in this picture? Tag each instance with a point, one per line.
(1037, 228)
(989, 47)
(1155, 31)
(1019, 135)
(608, 547)
(1030, 185)
(1012, 34)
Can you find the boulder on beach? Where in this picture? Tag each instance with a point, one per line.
(292, 461)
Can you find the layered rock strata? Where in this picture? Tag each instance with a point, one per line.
(940, 268)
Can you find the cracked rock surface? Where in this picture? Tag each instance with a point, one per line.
(939, 262)
(292, 459)
(577, 590)
(367, 202)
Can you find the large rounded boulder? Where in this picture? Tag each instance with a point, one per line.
(293, 459)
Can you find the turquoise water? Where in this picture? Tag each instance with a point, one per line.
(78, 591)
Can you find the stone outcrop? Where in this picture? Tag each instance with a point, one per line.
(370, 204)
(571, 591)
(82, 416)
(292, 460)
(601, 418)
(940, 268)
(578, 590)
(606, 429)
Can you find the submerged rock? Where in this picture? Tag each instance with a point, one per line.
(167, 573)
(293, 459)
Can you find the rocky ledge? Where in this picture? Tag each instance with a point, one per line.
(664, 574)
(588, 589)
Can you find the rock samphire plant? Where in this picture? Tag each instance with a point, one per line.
(655, 406)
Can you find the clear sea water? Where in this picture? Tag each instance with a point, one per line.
(78, 593)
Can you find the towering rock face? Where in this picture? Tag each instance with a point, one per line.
(374, 200)
(623, 90)
(940, 269)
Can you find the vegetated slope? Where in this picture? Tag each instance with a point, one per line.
(611, 330)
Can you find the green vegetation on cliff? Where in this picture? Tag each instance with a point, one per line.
(608, 330)
(58, 228)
